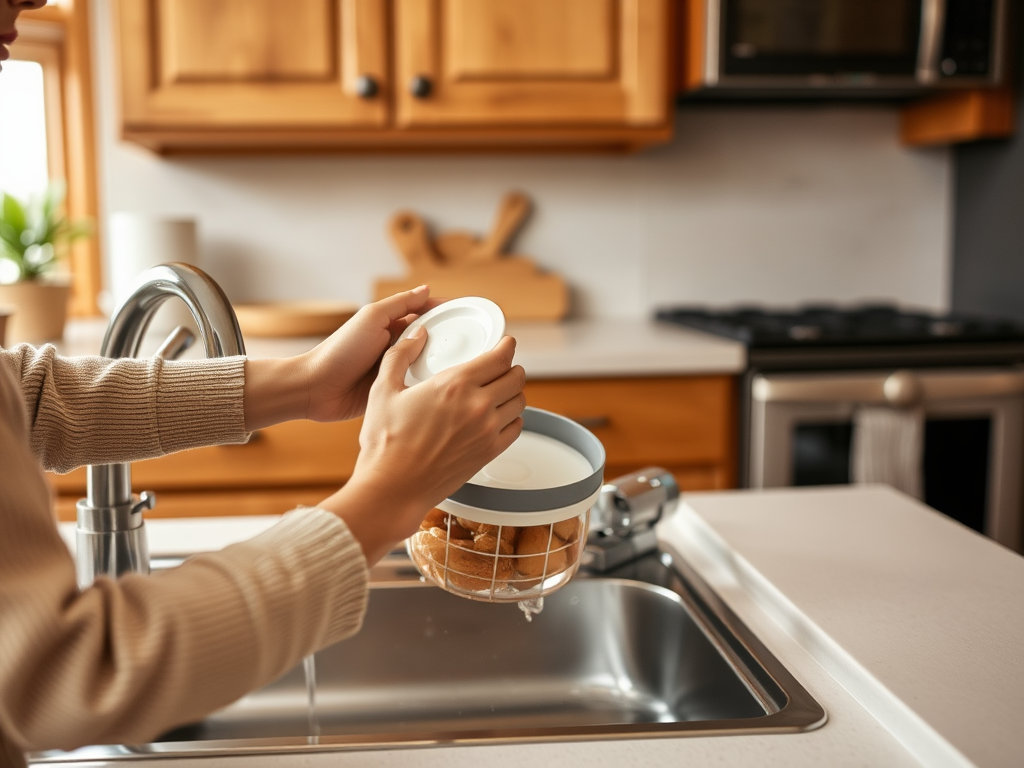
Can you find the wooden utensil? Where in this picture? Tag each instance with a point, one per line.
(409, 233)
(460, 247)
(293, 318)
(512, 212)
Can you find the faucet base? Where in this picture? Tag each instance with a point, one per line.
(110, 554)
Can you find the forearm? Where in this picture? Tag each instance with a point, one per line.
(275, 391)
(125, 660)
(92, 410)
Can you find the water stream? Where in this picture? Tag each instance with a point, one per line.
(309, 665)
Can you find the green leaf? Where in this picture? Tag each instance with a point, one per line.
(39, 230)
(14, 213)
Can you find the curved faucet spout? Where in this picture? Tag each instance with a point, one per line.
(211, 309)
(111, 538)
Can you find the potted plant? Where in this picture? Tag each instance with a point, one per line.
(34, 237)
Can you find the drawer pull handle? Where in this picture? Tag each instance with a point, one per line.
(593, 422)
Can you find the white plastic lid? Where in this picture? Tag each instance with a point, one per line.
(534, 461)
(553, 471)
(457, 331)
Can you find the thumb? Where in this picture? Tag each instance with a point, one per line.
(398, 359)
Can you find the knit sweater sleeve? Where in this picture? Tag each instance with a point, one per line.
(125, 659)
(93, 410)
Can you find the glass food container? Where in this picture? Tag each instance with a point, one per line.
(516, 531)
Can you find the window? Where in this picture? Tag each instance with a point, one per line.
(46, 129)
(23, 151)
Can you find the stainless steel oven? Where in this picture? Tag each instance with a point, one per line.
(821, 380)
(802, 430)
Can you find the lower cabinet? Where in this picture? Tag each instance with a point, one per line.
(685, 424)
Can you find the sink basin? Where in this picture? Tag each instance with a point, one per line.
(647, 651)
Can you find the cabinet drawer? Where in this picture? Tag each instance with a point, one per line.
(683, 424)
(296, 453)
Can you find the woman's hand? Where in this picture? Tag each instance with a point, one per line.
(330, 382)
(420, 444)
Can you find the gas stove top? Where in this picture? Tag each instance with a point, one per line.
(832, 327)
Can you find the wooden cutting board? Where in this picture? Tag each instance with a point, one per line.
(521, 294)
(458, 264)
(293, 318)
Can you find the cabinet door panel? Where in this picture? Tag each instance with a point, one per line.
(568, 39)
(532, 62)
(256, 40)
(252, 63)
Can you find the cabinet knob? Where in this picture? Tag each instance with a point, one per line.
(420, 87)
(366, 86)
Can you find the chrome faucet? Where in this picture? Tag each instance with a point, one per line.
(623, 519)
(111, 538)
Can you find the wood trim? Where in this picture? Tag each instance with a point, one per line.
(446, 140)
(691, 21)
(78, 146)
(953, 118)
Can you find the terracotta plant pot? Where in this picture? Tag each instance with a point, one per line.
(39, 310)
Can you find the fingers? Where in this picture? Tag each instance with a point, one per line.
(489, 366)
(412, 302)
(507, 386)
(397, 360)
(510, 410)
(509, 433)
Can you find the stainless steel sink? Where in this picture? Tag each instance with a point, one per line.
(646, 652)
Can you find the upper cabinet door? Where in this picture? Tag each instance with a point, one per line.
(209, 64)
(531, 62)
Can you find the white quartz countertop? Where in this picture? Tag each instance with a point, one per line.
(905, 626)
(576, 348)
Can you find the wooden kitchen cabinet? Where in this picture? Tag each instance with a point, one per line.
(250, 64)
(220, 75)
(529, 62)
(298, 462)
(684, 424)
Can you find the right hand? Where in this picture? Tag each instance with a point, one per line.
(420, 444)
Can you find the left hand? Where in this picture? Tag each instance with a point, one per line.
(331, 382)
(342, 368)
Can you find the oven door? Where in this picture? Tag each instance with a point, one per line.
(801, 428)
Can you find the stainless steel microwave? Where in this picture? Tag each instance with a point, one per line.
(844, 47)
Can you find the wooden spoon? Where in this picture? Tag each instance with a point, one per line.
(512, 212)
(460, 247)
(410, 236)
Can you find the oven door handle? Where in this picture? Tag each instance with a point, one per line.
(900, 388)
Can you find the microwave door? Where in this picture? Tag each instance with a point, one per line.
(839, 40)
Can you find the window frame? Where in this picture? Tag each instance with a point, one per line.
(57, 37)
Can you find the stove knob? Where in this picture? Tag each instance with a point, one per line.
(902, 388)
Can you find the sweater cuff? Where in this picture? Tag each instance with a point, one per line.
(217, 417)
(336, 573)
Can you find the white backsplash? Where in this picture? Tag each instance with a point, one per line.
(769, 204)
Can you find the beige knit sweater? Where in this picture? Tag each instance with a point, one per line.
(124, 660)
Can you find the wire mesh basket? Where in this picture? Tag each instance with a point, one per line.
(497, 563)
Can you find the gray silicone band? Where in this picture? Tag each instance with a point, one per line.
(517, 500)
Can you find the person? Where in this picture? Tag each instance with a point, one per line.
(125, 659)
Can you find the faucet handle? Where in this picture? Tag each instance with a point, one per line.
(147, 500)
(181, 338)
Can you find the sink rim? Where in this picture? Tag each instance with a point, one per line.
(789, 707)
